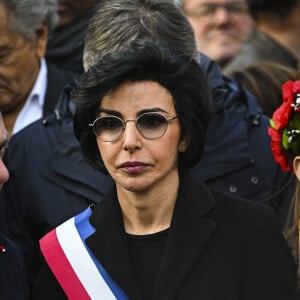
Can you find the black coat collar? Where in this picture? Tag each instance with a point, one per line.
(189, 233)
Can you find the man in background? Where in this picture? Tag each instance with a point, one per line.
(29, 87)
(275, 37)
(220, 26)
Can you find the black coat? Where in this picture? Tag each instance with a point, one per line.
(49, 181)
(13, 284)
(237, 157)
(218, 247)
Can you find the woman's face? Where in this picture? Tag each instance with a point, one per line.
(135, 163)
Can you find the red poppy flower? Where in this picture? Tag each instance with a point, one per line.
(282, 115)
(280, 121)
(277, 149)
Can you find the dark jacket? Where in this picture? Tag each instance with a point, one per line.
(237, 157)
(261, 47)
(49, 182)
(57, 79)
(13, 284)
(218, 247)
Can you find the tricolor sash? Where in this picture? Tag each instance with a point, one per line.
(75, 267)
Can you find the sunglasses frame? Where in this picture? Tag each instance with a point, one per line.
(124, 122)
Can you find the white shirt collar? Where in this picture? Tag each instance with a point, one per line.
(40, 85)
(33, 108)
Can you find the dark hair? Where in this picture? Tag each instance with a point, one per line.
(279, 8)
(117, 24)
(178, 73)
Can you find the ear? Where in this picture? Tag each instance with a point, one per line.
(296, 166)
(41, 38)
(183, 145)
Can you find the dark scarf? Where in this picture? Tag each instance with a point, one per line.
(65, 45)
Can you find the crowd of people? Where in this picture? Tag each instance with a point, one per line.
(149, 149)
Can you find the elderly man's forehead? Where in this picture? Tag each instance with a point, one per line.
(7, 24)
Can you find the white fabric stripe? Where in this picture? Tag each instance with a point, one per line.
(81, 262)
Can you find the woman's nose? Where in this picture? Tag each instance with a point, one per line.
(131, 137)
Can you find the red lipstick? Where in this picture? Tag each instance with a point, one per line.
(134, 167)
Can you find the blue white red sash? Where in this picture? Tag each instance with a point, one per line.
(77, 270)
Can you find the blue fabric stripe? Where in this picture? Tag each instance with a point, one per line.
(85, 229)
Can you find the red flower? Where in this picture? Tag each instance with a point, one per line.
(280, 121)
(277, 149)
(297, 86)
(282, 115)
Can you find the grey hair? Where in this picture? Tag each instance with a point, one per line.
(118, 23)
(28, 15)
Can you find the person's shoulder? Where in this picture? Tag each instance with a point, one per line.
(53, 121)
(241, 210)
(225, 200)
(37, 137)
(228, 208)
(33, 131)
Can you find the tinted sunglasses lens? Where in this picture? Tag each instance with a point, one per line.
(108, 129)
(152, 125)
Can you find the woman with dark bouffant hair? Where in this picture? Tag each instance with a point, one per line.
(142, 115)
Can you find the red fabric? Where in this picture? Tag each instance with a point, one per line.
(61, 268)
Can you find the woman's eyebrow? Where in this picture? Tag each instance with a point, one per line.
(109, 112)
(118, 114)
(152, 109)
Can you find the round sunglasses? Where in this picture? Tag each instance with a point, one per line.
(151, 126)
